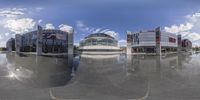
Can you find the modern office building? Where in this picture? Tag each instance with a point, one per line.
(43, 41)
(99, 42)
(152, 41)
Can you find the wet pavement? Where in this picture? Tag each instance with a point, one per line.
(102, 77)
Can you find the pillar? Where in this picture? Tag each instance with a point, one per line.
(179, 43)
(129, 39)
(158, 39)
(39, 41)
(9, 45)
(18, 43)
(70, 41)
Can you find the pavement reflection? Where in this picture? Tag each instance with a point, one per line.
(116, 76)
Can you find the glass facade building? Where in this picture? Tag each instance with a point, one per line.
(99, 41)
(51, 41)
(44, 41)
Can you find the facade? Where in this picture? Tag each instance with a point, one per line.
(44, 41)
(10, 44)
(186, 45)
(153, 41)
(99, 42)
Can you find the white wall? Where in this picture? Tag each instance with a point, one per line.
(148, 39)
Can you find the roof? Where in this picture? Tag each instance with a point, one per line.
(99, 35)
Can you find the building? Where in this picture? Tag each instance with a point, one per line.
(152, 41)
(43, 41)
(99, 42)
(186, 45)
(10, 44)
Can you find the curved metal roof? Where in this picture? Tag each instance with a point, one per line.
(99, 35)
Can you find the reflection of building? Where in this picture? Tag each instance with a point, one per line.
(151, 64)
(40, 71)
(153, 41)
(44, 40)
(110, 72)
(99, 42)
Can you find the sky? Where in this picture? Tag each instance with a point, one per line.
(113, 17)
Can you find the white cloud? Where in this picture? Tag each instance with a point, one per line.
(193, 36)
(194, 17)
(179, 28)
(39, 8)
(40, 21)
(49, 26)
(3, 38)
(66, 28)
(12, 12)
(81, 26)
(122, 43)
(15, 21)
(7, 34)
(20, 26)
(0, 37)
(190, 29)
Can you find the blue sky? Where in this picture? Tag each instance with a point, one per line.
(112, 16)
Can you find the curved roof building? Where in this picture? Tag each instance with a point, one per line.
(99, 42)
(186, 45)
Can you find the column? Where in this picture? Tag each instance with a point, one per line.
(18, 42)
(158, 39)
(9, 45)
(129, 39)
(70, 41)
(39, 41)
(179, 43)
